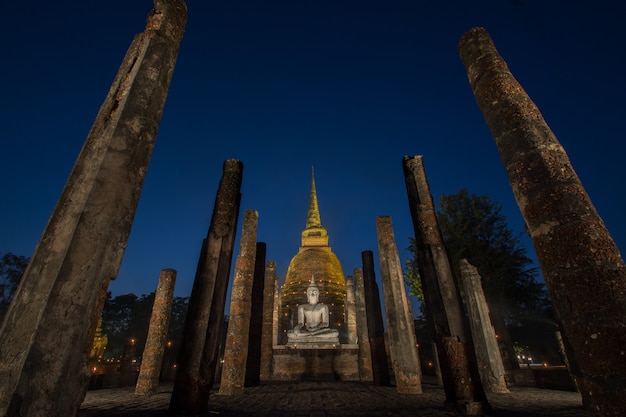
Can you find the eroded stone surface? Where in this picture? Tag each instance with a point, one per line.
(582, 267)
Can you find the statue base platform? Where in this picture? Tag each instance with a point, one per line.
(316, 361)
(313, 342)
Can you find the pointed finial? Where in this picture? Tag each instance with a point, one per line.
(313, 217)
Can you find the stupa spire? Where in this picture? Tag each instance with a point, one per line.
(314, 234)
(313, 219)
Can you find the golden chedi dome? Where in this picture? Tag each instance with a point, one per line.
(314, 259)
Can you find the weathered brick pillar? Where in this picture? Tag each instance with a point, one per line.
(351, 311)
(253, 364)
(268, 321)
(582, 267)
(400, 327)
(365, 350)
(152, 358)
(201, 335)
(490, 364)
(276, 314)
(49, 328)
(375, 325)
(237, 336)
(443, 301)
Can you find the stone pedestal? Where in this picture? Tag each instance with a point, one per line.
(316, 362)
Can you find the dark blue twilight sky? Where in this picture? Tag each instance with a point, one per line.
(348, 87)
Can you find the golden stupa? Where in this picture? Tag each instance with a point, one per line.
(314, 259)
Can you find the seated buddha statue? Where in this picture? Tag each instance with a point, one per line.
(313, 320)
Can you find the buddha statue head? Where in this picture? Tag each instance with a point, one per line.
(312, 292)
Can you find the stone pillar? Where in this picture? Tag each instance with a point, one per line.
(365, 351)
(276, 314)
(582, 267)
(375, 326)
(152, 359)
(237, 336)
(253, 364)
(49, 328)
(268, 321)
(205, 315)
(488, 357)
(400, 327)
(443, 301)
(351, 311)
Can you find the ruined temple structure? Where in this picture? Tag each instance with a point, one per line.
(100, 342)
(314, 291)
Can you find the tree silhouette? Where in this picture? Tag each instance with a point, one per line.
(12, 268)
(474, 228)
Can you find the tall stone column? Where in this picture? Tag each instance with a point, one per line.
(375, 326)
(582, 267)
(276, 314)
(488, 356)
(237, 336)
(205, 315)
(365, 350)
(268, 321)
(148, 381)
(351, 311)
(443, 301)
(400, 327)
(253, 364)
(49, 328)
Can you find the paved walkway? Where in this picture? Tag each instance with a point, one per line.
(332, 399)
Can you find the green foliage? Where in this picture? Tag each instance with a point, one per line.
(12, 268)
(474, 228)
(411, 273)
(127, 316)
